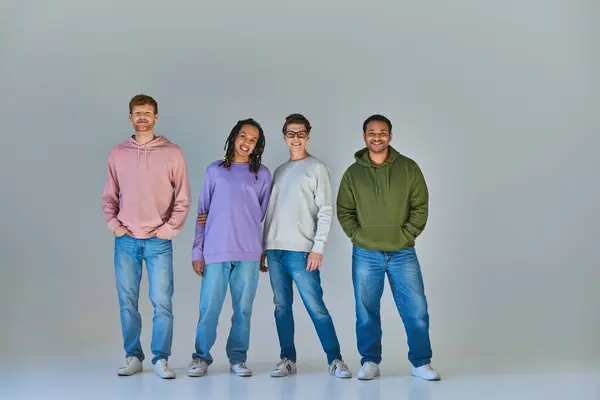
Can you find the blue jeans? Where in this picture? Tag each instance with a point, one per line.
(242, 277)
(158, 256)
(369, 268)
(286, 267)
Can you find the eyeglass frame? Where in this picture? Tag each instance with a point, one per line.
(293, 134)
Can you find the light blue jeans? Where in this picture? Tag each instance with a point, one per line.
(369, 268)
(158, 256)
(242, 277)
(286, 267)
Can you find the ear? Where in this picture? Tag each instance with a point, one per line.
(155, 118)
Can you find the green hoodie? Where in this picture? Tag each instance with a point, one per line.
(383, 207)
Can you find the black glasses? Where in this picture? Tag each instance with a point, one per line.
(292, 134)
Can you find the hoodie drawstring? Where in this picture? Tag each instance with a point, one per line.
(388, 173)
(376, 180)
(145, 156)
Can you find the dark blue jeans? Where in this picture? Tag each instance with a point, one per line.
(286, 267)
(369, 268)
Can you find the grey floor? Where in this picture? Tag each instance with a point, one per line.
(87, 379)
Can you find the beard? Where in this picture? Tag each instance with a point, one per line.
(143, 127)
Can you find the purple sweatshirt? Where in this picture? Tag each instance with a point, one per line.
(236, 203)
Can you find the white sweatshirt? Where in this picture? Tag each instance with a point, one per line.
(300, 208)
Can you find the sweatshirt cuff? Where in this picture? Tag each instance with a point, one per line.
(114, 224)
(197, 255)
(318, 248)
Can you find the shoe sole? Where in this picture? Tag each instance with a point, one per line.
(282, 376)
(242, 374)
(430, 380)
(133, 373)
(367, 379)
(196, 375)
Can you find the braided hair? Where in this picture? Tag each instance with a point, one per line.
(255, 156)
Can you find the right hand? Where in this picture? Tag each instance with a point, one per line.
(121, 231)
(263, 263)
(198, 267)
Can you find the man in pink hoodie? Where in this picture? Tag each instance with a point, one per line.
(146, 200)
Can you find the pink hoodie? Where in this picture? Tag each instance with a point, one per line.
(147, 187)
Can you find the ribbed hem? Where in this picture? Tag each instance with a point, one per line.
(280, 245)
(224, 257)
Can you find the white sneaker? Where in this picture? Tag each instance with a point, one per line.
(368, 371)
(240, 369)
(161, 368)
(132, 365)
(284, 368)
(338, 368)
(198, 367)
(426, 372)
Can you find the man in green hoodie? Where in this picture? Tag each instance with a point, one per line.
(382, 206)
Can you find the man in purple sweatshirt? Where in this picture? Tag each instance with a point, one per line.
(228, 249)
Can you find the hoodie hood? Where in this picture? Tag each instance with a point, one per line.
(154, 144)
(362, 159)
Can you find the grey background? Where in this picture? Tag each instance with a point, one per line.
(496, 101)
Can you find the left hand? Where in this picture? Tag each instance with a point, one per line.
(159, 235)
(314, 261)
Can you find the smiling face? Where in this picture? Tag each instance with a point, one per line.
(143, 118)
(245, 143)
(377, 136)
(296, 137)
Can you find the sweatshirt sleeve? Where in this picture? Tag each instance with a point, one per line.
(419, 205)
(323, 201)
(110, 196)
(204, 201)
(181, 206)
(265, 193)
(346, 207)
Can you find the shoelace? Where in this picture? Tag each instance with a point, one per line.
(282, 364)
(128, 361)
(339, 365)
(195, 363)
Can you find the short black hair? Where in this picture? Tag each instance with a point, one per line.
(376, 117)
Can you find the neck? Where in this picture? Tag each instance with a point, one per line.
(295, 156)
(379, 158)
(239, 159)
(144, 137)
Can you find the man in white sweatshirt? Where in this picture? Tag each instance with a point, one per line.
(296, 228)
